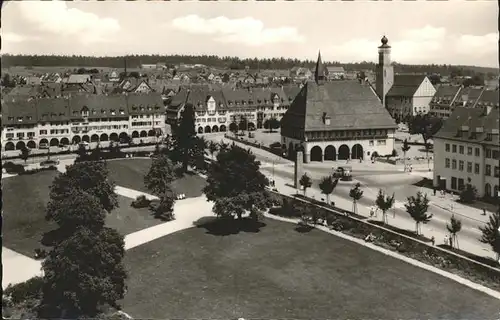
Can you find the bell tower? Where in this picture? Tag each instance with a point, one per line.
(320, 72)
(384, 70)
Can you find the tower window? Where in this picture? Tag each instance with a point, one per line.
(385, 73)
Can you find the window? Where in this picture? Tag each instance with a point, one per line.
(381, 142)
(488, 153)
(454, 164)
(461, 165)
(447, 147)
(31, 134)
(461, 184)
(370, 143)
(487, 170)
(446, 163)
(9, 135)
(476, 168)
(20, 119)
(489, 137)
(42, 132)
(454, 148)
(495, 154)
(469, 167)
(469, 151)
(454, 183)
(497, 171)
(477, 152)
(20, 135)
(461, 149)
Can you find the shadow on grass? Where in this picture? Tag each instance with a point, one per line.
(406, 232)
(303, 228)
(486, 260)
(424, 183)
(330, 206)
(229, 226)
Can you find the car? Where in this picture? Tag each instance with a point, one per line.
(44, 145)
(48, 163)
(343, 173)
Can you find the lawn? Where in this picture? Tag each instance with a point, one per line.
(24, 201)
(130, 174)
(281, 273)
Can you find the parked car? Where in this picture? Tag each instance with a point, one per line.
(48, 163)
(44, 145)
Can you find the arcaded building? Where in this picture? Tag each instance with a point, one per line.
(337, 120)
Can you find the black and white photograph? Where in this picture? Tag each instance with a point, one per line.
(250, 159)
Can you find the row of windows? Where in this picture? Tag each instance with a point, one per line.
(87, 128)
(461, 150)
(142, 123)
(356, 133)
(19, 135)
(477, 167)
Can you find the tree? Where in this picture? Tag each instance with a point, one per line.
(417, 208)
(305, 182)
(384, 203)
(7, 82)
(96, 154)
(273, 124)
(82, 274)
(454, 228)
(491, 233)
(79, 209)
(25, 153)
(327, 185)
(223, 146)
(90, 177)
(160, 175)
(114, 148)
(236, 185)
(243, 124)
(81, 152)
(356, 194)
(184, 139)
(405, 149)
(212, 148)
(165, 207)
(468, 194)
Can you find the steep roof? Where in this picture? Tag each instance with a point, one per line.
(405, 85)
(79, 78)
(490, 97)
(320, 72)
(350, 105)
(472, 118)
(333, 69)
(446, 91)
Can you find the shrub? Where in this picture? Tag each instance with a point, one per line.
(141, 202)
(24, 291)
(13, 168)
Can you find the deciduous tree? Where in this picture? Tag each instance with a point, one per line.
(405, 149)
(384, 203)
(160, 175)
(213, 147)
(491, 233)
(417, 208)
(356, 194)
(468, 194)
(184, 139)
(454, 228)
(306, 182)
(327, 185)
(25, 153)
(82, 274)
(90, 177)
(236, 185)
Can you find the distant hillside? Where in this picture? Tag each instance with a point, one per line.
(134, 61)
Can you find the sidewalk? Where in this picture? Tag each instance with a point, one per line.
(18, 268)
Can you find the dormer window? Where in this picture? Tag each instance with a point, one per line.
(122, 111)
(11, 118)
(113, 112)
(30, 117)
(326, 119)
(473, 135)
(479, 129)
(93, 111)
(465, 128)
(149, 108)
(489, 137)
(142, 108)
(134, 108)
(20, 119)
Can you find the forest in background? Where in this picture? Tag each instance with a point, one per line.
(234, 63)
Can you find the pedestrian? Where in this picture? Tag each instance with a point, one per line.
(411, 168)
(433, 240)
(434, 190)
(372, 212)
(484, 212)
(446, 241)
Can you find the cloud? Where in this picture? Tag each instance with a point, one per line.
(248, 31)
(55, 17)
(424, 34)
(466, 44)
(9, 37)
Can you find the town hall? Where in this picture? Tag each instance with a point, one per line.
(337, 120)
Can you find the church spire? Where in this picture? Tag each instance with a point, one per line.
(319, 73)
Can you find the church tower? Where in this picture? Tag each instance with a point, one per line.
(320, 72)
(384, 70)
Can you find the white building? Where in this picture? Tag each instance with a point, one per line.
(467, 150)
(337, 120)
(89, 118)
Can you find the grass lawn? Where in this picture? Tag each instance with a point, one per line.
(130, 174)
(24, 202)
(281, 273)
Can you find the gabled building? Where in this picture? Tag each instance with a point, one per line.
(467, 151)
(335, 73)
(337, 120)
(443, 101)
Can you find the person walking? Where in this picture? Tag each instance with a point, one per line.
(446, 241)
(433, 240)
(484, 212)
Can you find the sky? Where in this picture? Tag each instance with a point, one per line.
(420, 32)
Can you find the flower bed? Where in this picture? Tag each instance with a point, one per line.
(390, 239)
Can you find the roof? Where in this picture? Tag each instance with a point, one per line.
(445, 91)
(79, 78)
(473, 118)
(333, 69)
(348, 103)
(490, 97)
(405, 85)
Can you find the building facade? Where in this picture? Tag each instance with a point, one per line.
(89, 118)
(337, 120)
(467, 151)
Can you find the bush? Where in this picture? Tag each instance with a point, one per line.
(13, 168)
(468, 194)
(141, 202)
(24, 291)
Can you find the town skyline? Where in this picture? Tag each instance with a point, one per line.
(112, 29)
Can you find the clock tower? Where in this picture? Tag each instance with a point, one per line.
(384, 71)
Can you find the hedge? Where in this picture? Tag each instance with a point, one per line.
(448, 261)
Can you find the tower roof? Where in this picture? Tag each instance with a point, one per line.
(320, 72)
(384, 41)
